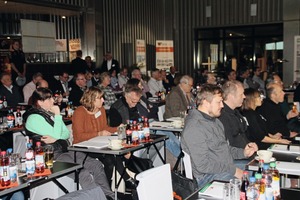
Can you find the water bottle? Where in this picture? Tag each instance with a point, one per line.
(252, 191)
(267, 178)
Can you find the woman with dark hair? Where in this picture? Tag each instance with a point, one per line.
(43, 122)
(257, 130)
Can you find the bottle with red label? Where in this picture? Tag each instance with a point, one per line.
(146, 129)
(244, 185)
(4, 163)
(19, 119)
(30, 163)
(39, 158)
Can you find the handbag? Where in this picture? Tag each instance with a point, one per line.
(183, 186)
(138, 165)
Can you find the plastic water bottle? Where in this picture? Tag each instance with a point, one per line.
(275, 180)
(30, 164)
(252, 191)
(267, 178)
(260, 185)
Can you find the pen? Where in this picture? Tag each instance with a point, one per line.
(288, 147)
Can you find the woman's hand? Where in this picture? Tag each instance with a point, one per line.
(104, 133)
(55, 109)
(48, 139)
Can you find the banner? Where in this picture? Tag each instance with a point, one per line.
(74, 44)
(164, 54)
(140, 47)
(61, 45)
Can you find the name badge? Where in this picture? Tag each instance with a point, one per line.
(98, 114)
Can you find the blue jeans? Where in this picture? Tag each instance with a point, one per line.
(16, 196)
(172, 144)
(222, 176)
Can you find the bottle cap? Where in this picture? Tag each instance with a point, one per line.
(38, 143)
(258, 176)
(252, 179)
(266, 166)
(9, 150)
(245, 172)
(272, 164)
(3, 153)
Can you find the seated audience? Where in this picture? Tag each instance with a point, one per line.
(171, 76)
(257, 127)
(10, 91)
(235, 126)
(165, 81)
(96, 77)
(89, 120)
(231, 75)
(179, 98)
(88, 77)
(244, 77)
(155, 83)
(210, 78)
(114, 80)
(272, 112)
(145, 107)
(136, 73)
(78, 89)
(29, 88)
(126, 108)
(123, 77)
(44, 123)
(109, 95)
(62, 84)
(204, 140)
(257, 78)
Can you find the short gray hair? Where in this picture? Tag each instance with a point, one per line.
(185, 79)
(230, 87)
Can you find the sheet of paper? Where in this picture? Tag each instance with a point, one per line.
(290, 168)
(215, 189)
(161, 124)
(284, 148)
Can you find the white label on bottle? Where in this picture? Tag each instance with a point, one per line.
(30, 166)
(19, 121)
(5, 173)
(13, 171)
(39, 161)
(135, 135)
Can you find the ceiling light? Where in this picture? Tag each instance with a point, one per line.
(63, 17)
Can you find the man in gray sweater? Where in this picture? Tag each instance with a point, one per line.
(204, 140)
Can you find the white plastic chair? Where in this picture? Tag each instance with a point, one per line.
(160, 113)
(19, 143)
(155, 184)
(187, 165)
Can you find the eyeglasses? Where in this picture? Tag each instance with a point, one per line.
(191, 85)
(133, 100)
(81, 79)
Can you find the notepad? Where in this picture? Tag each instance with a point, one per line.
(91, 144)
(161, 124)
(284, 149)
(214, 189)
(290, 168)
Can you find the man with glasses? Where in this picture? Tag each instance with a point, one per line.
(136, 73)
(126, 108)
(179, 98)
(78, 89)
(155, 83)
(10, 91)
(62, 84)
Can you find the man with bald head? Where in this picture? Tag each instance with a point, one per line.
(179, 98)
(276, 120)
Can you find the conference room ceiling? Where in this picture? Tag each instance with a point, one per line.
(25, 8)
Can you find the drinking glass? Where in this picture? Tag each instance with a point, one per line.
(121, 132)
(49, 155)
(182, 115)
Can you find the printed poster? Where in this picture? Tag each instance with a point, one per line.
(164, 54)
(141, 55)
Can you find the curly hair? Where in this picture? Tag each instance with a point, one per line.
(89, 97)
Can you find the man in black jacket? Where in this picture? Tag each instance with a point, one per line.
(10, 91)
(109, 64)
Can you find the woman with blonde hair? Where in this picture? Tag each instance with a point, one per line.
(257, 130)
(89, 119)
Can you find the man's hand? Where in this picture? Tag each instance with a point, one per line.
(238, 173)
(276, 136)
(291, 114)
(250, 149)
(293, 134)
